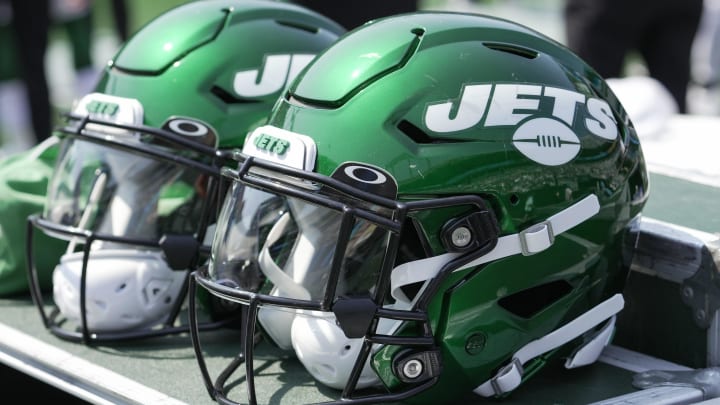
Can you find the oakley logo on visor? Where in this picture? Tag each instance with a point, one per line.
(368, 178)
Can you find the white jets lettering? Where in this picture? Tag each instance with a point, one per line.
(509, 98)
(604, 124)
(509, 104)
(437, 115)
(277, 71)
(566, 102)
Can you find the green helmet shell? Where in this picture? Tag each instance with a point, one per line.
(223, 62)
(454, 104)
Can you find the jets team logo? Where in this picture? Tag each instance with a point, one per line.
(546, 139)
(119, 110)
(277, 71)
(281, 146)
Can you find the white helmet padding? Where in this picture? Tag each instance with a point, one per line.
(128, 288)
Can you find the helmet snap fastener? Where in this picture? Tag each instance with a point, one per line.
(413, 368)
(461, 236)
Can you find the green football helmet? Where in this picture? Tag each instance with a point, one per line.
(135, 186)
(439, 204)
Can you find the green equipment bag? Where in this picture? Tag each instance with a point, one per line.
(23, 185)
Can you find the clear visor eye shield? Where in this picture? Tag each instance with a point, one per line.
(304, 253)
(134, 203)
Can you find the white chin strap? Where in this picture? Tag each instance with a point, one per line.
(531, 240)
(509, 377)
(323, 360)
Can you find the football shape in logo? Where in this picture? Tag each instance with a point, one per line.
(546, 141)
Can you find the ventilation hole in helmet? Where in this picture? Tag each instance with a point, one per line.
(531, 301)
(295, 24)
(417, 135)
(228, 98)
(514, 199)
(121, 287)
(513, 49)
(413, 132)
